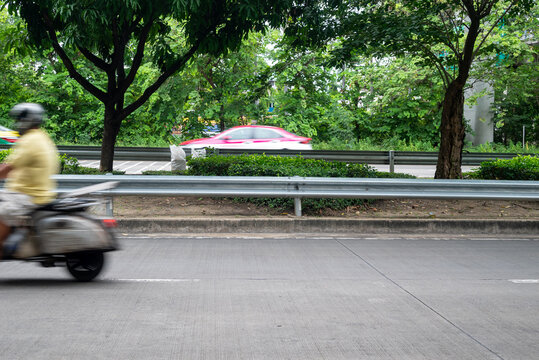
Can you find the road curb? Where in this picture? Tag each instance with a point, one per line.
(331, 225)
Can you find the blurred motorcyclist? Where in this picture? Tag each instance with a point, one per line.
(28, 170)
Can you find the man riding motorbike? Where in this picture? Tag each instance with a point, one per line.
(28, 170)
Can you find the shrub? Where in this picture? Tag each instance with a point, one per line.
(71, 166)
(4, 154)
(261, 165)
(517, 168)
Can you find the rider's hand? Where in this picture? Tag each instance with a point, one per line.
(5, 169)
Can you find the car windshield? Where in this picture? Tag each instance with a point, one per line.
(238, 134)
(262, 133)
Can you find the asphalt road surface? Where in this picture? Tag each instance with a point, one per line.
(281, 297)
(137, 167)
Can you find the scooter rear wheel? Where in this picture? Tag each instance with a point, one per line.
(85, 266)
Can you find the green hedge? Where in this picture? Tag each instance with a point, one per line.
(261, 165)
(517, 168)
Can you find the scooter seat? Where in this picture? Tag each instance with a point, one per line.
(68, 205)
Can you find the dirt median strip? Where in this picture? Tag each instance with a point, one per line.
(167, 207)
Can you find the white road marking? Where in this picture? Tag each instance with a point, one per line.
(167, 165)
(157, 280)
(129, 167)
(525, 281)
(146, 168)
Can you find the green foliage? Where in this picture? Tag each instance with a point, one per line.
(399, 99)
(514, 74)
(396, 144)
(518, 168)
(4, 154)
(382, 103)
(390, 175)
(510, 147)
(261, 165)
(115, 39)
(368, 144)
(445, 35)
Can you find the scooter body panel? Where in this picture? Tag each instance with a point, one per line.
(62, 234)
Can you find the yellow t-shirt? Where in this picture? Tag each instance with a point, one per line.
(34, 160)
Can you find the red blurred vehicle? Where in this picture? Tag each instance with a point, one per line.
(252, 137)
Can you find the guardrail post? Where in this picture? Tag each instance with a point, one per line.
(391, 161)
(109, 206)
(297, 206)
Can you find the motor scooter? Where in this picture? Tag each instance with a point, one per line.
(64, 233)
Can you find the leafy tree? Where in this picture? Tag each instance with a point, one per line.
(115, 36)
(16, 68)
(514, 74)
(304, 93)
(396, 98)
(222, 90)
(449, 35)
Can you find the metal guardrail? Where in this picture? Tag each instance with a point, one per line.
(368, 157)
(299, 187)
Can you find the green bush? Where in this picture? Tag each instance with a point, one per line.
(71, 166)
(384, 174)
(261, 165)
(4, 154)
(517, 168)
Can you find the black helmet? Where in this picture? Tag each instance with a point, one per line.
(27, 116)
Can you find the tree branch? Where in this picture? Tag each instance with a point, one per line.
(492, 27)
(100, 63)
(438, 63)
(153, 88)
(447, 32)
(208, 78)
(99, 94)
(469, 8)
(137, 59)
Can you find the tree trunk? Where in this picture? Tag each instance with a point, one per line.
(222, 118)
(110, 132)
(452, 133)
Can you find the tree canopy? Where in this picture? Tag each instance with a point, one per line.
(115, 36)
(367, 98)
(449, 35)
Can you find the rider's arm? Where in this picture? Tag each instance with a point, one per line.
(4, 170)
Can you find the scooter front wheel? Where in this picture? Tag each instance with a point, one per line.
(85, 266)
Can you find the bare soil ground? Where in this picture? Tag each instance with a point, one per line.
(167, 207)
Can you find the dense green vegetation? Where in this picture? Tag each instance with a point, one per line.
(370, 102)
(518, 168)
(261, 165)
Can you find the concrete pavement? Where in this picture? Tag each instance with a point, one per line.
(286, 297)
